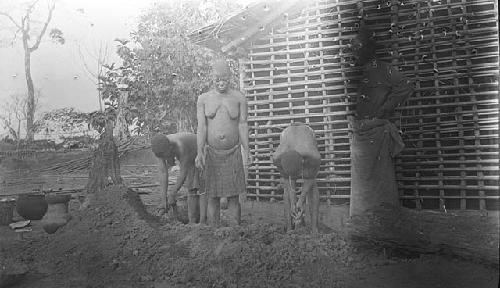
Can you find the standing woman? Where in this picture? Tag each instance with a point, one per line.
(376, 140)
(222, 144)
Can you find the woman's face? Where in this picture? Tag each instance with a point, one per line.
(221, 83)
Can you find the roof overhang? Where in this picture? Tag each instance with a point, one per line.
(239, 29)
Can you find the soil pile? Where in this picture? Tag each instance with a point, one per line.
(114, 242)
(101, 244)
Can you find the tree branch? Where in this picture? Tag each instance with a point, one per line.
(103, 58)
(11, 19)
(30, 7)
(93, 76)
(100, 60)
(15, 36)
(49, 17)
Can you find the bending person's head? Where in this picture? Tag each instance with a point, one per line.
(291, 163)
(161, 146)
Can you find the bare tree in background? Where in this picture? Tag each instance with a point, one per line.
(94, 67)
(31, 38)
(14, 111)
(12, 115)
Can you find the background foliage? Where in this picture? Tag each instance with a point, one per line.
(162, 70)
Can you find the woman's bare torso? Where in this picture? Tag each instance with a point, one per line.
(222, 112)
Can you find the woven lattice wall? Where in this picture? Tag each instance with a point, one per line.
(300, 71)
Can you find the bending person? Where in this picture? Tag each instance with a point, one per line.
(297, 156)
(181, 146)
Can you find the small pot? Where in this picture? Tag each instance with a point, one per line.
(31, 206)
(57, 214)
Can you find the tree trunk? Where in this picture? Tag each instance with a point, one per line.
(121, 128)
(18, 134)
(105, 163)
(30, 107)
(25, 30)
(99, 97)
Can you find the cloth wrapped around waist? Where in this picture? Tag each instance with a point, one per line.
(379, 131)
(224, 174)
(373, 181)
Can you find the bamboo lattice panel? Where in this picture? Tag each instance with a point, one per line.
(300, 71)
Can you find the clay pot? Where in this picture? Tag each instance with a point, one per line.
(31, 206)
(57, 214)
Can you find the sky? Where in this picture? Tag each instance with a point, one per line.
(58, 70)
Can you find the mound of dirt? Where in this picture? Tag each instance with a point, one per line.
(109, 237)
(114, 242)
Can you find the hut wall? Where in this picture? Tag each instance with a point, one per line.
(300, 71)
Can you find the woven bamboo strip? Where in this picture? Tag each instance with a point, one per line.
(441, 138)
(296, 117)
(457, 95)
(453, 129)
(450, 72)
(444, 38)
(269, 165)
(450, 178)
(267, 62)
(353, 95)
(451, 197)
(320, 185)
(417, 155)
(338, 131)
(452, 124)
(490, 102)
(409, 149)
(423, 89)
(449, 187)
(493, 112)
(251, 195)
(489, 111)
(298, 83)
(450, 162)
(277, 142)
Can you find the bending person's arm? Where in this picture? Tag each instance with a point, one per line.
(310, 170)
(181, 178)
(163, 175)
